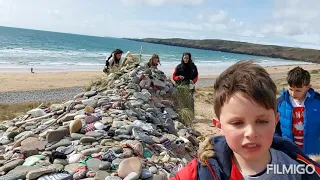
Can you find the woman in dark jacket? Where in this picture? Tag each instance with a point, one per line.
(186, 72)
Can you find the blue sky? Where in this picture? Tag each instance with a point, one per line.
(282, 22)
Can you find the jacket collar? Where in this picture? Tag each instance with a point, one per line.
(286, 95)
(223, 153)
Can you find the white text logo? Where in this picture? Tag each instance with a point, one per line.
(290, 169)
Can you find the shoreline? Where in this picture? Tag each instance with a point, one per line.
(22, 81)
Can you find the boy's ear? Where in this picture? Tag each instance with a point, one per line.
(309, 86)
(216, 123)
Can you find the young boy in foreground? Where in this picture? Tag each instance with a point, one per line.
(246, 110)
(299, 109)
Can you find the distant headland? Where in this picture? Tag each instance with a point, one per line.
(290, 53)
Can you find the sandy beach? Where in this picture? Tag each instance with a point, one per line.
(13, 81)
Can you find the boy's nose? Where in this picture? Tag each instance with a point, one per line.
(250, 132)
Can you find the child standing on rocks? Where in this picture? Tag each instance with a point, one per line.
(246, 110)
(153, 62)
(113, 60)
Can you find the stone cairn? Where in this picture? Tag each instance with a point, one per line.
(126, 129)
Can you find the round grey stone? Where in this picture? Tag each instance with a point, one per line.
(104, 165)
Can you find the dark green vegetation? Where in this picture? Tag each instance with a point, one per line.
(290, 53)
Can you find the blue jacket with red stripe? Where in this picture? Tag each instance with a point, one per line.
(221, 167)
(311, 139)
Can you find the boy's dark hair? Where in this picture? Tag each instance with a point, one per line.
(246, 78)
(298, 77)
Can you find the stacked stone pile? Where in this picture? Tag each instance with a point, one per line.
(125, 129)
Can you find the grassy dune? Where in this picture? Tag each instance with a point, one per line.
(291, 53)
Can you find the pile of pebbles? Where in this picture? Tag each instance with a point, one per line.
(126, 129)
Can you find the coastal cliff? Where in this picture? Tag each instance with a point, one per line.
(290, 53)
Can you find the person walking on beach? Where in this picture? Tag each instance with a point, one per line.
(186, 73)
(113, 59)
(153, 62)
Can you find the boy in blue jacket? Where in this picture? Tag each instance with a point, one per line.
(245, 105)
(299, 109)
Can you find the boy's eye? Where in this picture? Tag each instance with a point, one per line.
(262, 121)
(237, 123)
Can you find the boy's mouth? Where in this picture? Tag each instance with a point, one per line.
(251, 146)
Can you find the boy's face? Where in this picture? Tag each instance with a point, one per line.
(247, 127)
(299, 93)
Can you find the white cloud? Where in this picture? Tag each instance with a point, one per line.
(294, 18)
(221, 21)
(180, 25)
(219, 17)
(162, 2)
(167, 24)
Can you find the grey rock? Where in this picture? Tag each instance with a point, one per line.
(172, 113)
(87, 139)
(116, 162)
(104, 165)
(71, 168)
(132, 176)
(76, 136)
(145, 174)
(117, 149)
(90, 102)
(93, 164)
(11, 165)
(63, 142)
(101, 175)
(90, 93)
(153, 169)
(68, 117)
(56, 176)
(113, 178)
(93, 134)
(11, 135)
(60, 161)
(79, 106)
(18, 172)
(58, 167)
(57, 135)
(90, 151)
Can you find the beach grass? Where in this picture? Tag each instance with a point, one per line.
(184, 104)
(10, 111)
(98, 82)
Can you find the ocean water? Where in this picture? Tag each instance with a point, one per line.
(21, 49)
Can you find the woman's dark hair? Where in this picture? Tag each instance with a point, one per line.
(115, 52)
(190, 60)
(186, 54)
